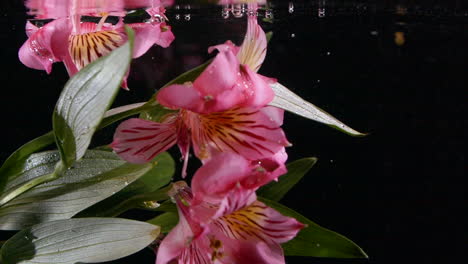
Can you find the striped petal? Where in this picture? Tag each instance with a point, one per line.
(87, 47)
(253, 50)
(139, 141)
(252, 133)
(258, 222)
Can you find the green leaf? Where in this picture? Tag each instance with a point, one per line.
(85, 99)
(291, 102)
(166, 221)
(96, 177)
(191, 75)
(14, 164)
(268, 36)
(133, 195)
(86, 240)
(156, 113)
(275, 191)
(314, 240)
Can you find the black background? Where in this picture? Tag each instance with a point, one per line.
(399, 192)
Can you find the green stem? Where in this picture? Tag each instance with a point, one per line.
(58, 172)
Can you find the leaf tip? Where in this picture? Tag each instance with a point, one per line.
(156, 231)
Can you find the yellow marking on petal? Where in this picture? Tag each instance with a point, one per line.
(244, 224)
(88, 47)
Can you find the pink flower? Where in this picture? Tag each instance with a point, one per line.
(223, 110)
(221, 221)
(77, 43)
(52, 9)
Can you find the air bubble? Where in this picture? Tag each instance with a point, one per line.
(291, 8)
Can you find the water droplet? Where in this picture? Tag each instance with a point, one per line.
(321, 12)
(331, 161)
(268, 14)
(318, 245)
(187, 17)
(126, 183)
(293, 35)
(237, 11)
(151, 204)
(177, 7)
(328, 53)
(318, 81)
(225, 13)
(291, 8)
(374, 33)
(177, 16)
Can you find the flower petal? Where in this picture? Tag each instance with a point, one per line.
(266, 170)
(147, 34)
(241, 251)
(258, 222)
(139, 141)
(252, 133)
(216, 181)
(256, 88)
(227, 46)
(253, 50)
(178, 96)
(88, 47)
(216, 83)
(37, 52)
(175, 243)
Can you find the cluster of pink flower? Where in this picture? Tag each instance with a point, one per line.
(224, 115)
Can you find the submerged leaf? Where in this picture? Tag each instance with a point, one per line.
(275, 191)
(314, 240)
(85, 99)
(86, 240)
(97, 176)
(17, 161)
(132, 195)
(166, 221)
(291, 102)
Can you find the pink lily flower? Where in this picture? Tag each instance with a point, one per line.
(221, 221)
(223, 110)
(77, 43)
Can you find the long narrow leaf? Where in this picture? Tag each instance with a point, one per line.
(291, 102)
(85, 99)
(97, 176)
(16, 162)
(314, 240)
(86, 240)
(275, 191)
(131, 196)
(166, 221)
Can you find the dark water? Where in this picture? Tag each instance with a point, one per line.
(397, 72)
